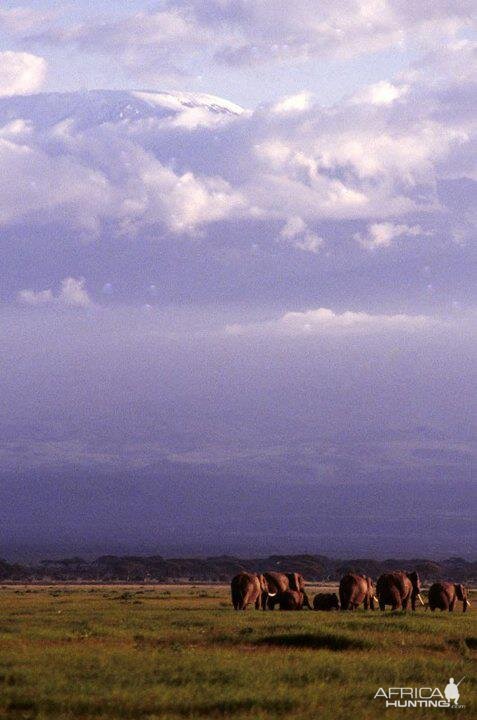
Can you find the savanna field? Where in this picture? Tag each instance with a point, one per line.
(170, 652)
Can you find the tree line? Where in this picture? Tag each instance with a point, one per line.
(155, 568)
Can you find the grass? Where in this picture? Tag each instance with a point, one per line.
(108, 652)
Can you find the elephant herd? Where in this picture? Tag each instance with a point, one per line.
(400, 590)
(265, 590)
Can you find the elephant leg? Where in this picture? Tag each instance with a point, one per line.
(366, 603)
(397, 603)
(382, 605)
(451, 605)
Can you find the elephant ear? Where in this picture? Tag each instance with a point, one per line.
(459, 591)
(264, 584)
(294, 579)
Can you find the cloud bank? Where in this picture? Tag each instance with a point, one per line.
(72, 293)
(165, 41)
(184, 162)
(325, 320)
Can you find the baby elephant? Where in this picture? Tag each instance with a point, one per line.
(326, 601)
(288, 600)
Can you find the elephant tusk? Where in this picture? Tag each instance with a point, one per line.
(468, 603)
(420, 599)
(376, 599)
(271, 594)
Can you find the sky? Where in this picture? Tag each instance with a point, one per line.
(237, 279)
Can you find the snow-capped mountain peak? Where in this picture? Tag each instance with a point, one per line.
(179, 100)
(96, 107)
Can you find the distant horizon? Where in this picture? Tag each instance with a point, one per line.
(32, 557)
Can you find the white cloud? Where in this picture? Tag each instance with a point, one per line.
(290, 181)
(406, 153)
(181, 202)
(30, 297)
(324, 320)
(21, 73)
(309, 243)
(381, 93)
(381, 235)
(72, 293)
(294, 226)
(297, 233)
(293, 103)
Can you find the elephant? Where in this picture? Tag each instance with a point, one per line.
(287, 600)
(248, 588)
(398, 589)
(281, 582)
(326, 601)
(443, 595)
(356, 589)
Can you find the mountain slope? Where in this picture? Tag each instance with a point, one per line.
(95, 107)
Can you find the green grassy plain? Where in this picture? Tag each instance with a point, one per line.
(175, 652)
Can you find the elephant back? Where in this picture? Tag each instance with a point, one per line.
(245, 581)
(396, 581)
